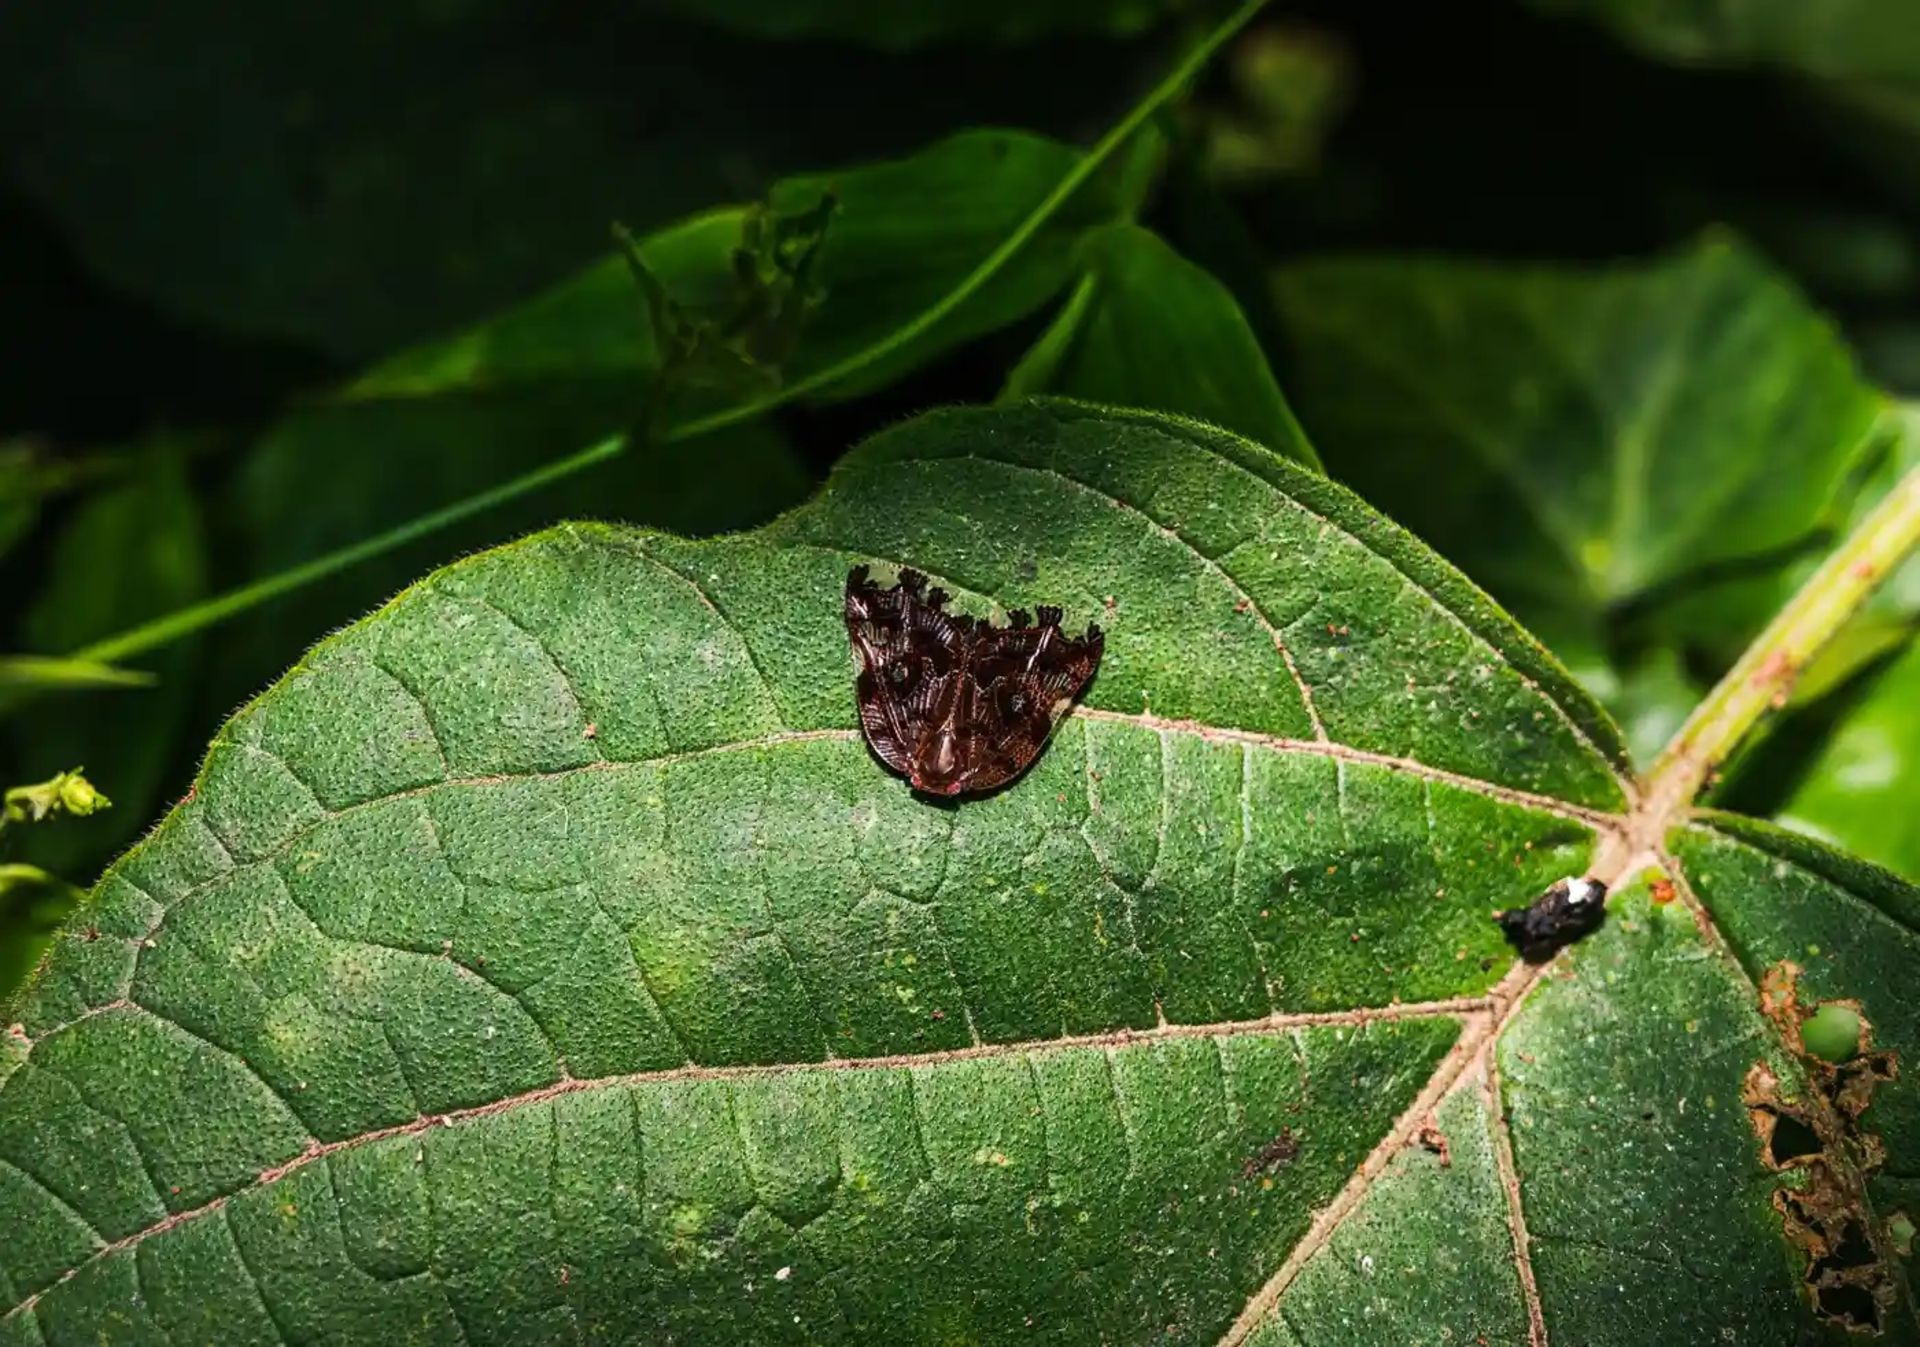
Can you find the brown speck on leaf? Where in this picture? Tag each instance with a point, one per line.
(1661, 891)
(588, 733)
(566, 1274)
(1433, 1139)
(91, 934)
(1242, 605)
(1275, 1155)
(1863, 571)
(1111, 603)
(939, 1014)
(1354, 938)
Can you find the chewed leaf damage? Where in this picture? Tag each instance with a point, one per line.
(1815, 1137)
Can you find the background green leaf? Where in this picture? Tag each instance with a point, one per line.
(902, 235)
(1150, 329)
(1641, 461)
(1851, 789)
(1843, 38)
(261, 171)
(1634, 425)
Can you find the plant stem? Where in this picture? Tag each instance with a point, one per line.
(923, 322)
(174, 625)
(1763, 678)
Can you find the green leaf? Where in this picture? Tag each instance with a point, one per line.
(1826, 927)
(904, 233)
(546, 954)
(1577, 439)
(1718, 610)
(127, 553)
(1856, 791)
(1150, 329)
(902, 27)
(1615, 1097)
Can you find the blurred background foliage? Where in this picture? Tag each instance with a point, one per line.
(1615, 302)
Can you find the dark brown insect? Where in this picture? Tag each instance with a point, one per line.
(954, 703)
(1570, 908)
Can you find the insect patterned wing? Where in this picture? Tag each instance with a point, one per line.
(1025, 678)
(909, 653)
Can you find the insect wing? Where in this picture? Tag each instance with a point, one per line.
(908, 653)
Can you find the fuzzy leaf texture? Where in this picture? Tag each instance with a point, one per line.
(545, 959)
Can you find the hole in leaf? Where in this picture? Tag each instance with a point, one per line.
(1852, 1250)
(1792, 1140)
(1850, 1305)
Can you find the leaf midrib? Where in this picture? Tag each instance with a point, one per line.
(1600, 820)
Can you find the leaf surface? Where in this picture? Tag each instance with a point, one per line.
(546, 956)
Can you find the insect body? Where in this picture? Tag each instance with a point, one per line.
(954, 703)
(1570, 908)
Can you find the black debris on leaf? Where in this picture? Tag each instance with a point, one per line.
(1569, 909)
